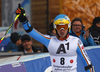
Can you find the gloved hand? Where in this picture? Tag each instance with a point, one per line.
(21, 11)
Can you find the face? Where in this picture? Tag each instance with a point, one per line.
(76, 26)
(27, 44)
(62, 33)
(18, 43)
(62, 30)
(98, 24)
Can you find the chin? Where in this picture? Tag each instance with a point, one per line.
(62, 36)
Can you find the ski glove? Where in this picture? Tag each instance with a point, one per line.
(21, 11)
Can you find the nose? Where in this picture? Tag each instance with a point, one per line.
(62, 30)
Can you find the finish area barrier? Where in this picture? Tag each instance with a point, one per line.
(40, 62)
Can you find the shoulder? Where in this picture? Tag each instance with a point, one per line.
(10, 44)
(73, 37)
(91, 28)
(48, 36)
(11, 47)
(53, 37)
(76, 39)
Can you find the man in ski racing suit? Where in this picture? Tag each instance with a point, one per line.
(63, 48)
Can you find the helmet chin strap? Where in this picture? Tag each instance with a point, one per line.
(66, 36)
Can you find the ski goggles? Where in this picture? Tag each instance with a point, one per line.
(60, 27)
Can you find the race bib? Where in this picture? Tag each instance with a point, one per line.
(63, 63)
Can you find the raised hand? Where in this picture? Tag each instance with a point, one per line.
(86, 35)
(20, 11)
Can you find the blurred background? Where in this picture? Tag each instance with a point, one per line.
(41, 13)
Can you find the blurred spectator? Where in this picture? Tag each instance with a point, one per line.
(52, 33)
(27, 45)
(95, 30)
(51, 30)
(84, 27)
(77, 30)
(45, 48)
(15, 44)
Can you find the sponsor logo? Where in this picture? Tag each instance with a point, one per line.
(16, 64)
(62, 66)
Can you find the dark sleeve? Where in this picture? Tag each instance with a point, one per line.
(34, 49)
(45, 49)
(39, 49)
(21, 48)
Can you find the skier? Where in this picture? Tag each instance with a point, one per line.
(63, 48)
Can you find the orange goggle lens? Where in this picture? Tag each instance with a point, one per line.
(59, 27)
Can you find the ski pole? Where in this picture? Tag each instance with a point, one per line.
(9, 28)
